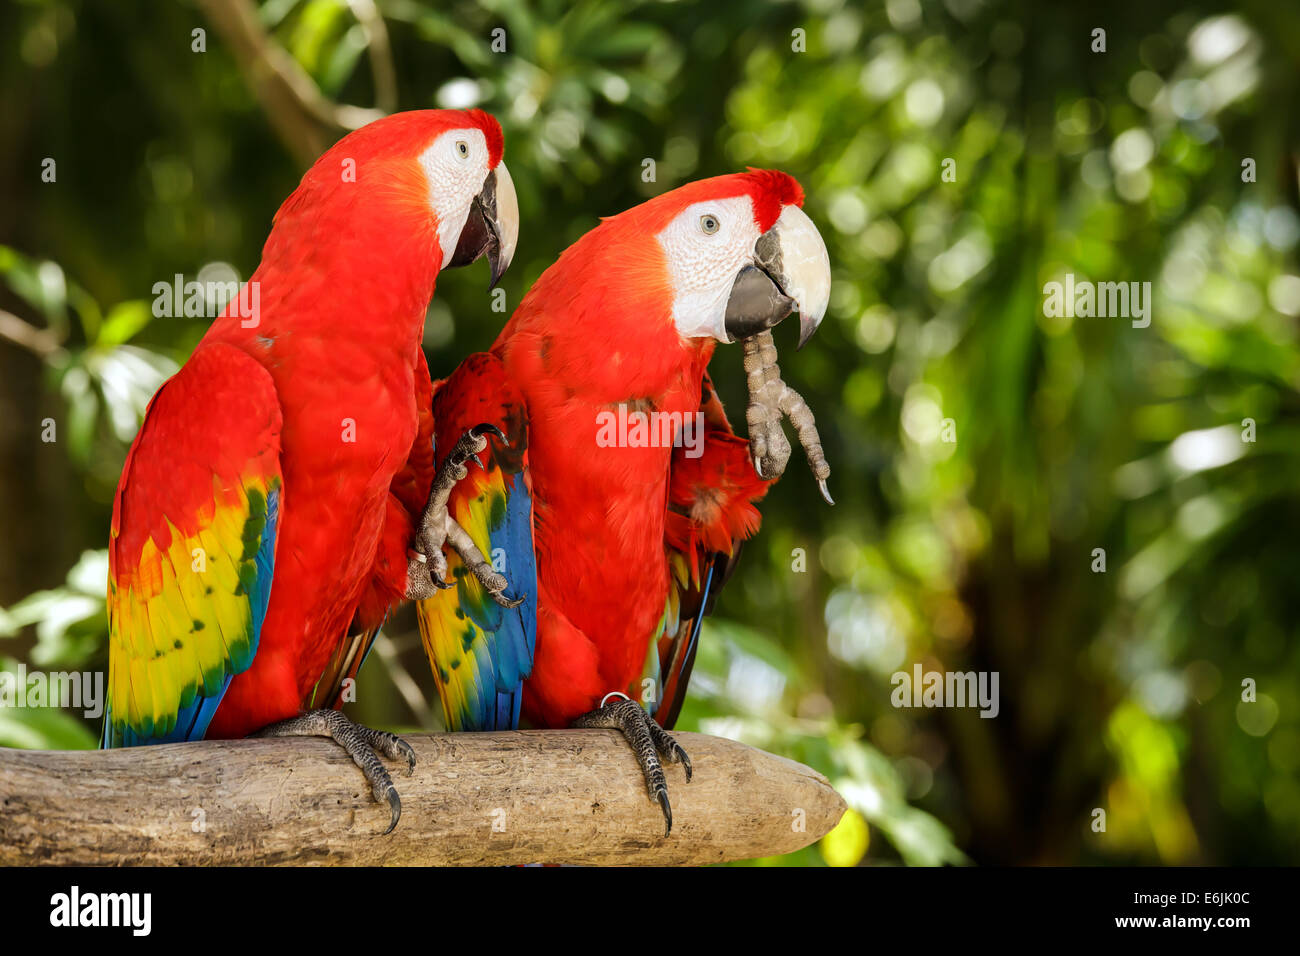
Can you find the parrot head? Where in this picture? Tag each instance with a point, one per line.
(645, 296)
(740, 255)
(428, 178)
(471, 192)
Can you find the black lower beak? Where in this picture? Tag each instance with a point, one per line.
(756, 304)
(479, 237)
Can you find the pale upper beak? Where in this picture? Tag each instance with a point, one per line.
(492, 227)
(791, 271)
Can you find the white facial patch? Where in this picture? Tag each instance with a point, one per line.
(706, 245)
(456, 164)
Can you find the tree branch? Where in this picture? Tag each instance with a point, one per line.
(303, 117)
(41, 342)
(572, 796)
(380, 51)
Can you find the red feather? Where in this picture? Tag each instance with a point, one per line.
(596, 332)
(343, 288)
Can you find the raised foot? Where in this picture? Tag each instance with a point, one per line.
(360, 742)
(649, 742)
(770, 400)
(427, 566)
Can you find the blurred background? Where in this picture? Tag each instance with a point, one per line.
(1174, 448)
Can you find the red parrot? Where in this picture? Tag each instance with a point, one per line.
(617, 507)
(276, 502)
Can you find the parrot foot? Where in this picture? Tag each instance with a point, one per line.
(362, 744)
(427, 566)
(478, 565)
(649, 742)
(770, 400)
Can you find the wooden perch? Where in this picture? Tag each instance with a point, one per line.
(571, 796)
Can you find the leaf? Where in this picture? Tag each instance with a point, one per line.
(123, 321)
(71, 622)
(39, 728)
(43, 729)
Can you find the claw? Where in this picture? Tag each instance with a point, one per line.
(395, 803)
(485, 428)
(685, 760)
(649, 742)
(409, 753)
(770, 400)
(825, 492)
(362, 744)
(436, 527)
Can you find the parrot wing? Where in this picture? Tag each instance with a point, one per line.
(710, 513)
(192, 547)
(481, 652)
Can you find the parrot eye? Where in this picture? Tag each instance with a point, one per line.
(462, 149)
(709, 224)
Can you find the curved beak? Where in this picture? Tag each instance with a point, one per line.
(791, 271)
(492, 227)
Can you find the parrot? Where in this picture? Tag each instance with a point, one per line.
(619, 499)
(278, 499)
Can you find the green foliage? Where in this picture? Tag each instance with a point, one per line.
(41, 728)
(104, 382)
(70, 621)
(741, 688)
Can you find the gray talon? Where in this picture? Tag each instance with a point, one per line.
(680, 755)
(436, 527)
(770, 400)
(393, 747)
(361, 744)
(478, 431)
(648, 741)
(826, 492)
(394, 802)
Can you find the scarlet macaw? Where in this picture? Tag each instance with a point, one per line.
(275, 504)
(618, 552)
